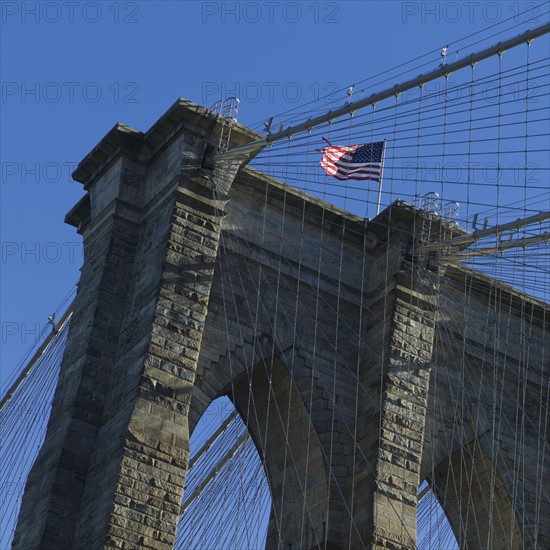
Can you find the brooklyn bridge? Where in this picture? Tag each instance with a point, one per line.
(249, 360)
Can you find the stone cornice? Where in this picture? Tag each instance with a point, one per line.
(182, 116)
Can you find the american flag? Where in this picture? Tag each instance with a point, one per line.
(356, 162)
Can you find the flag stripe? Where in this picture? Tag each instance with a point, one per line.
(355, 177)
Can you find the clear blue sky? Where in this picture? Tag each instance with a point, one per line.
(71, 70)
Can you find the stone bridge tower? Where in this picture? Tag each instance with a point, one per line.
(350, 358)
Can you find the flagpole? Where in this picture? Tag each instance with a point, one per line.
(380, 182)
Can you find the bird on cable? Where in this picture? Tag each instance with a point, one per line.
(350, 94)
(443, 55)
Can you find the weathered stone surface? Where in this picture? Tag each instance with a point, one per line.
(185, 297)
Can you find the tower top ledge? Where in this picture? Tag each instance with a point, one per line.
(183, 115)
